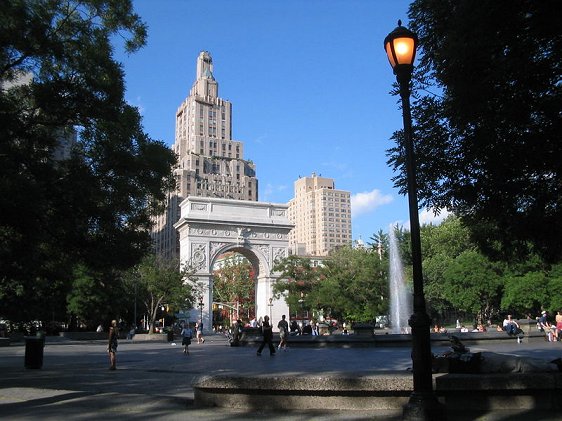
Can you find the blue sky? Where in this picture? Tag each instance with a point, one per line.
(309, 82)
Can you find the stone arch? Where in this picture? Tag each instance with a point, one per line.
(257, 260)
(209, 227)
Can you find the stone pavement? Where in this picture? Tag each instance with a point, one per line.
(154, 379)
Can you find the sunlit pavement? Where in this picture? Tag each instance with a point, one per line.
(153, 380)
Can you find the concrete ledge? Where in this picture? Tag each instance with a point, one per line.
(308, 392)
(153, 337)
(4, 341)
(91, 336)
(501, 391)
(390, 340)
(84, 336)
(381, 392)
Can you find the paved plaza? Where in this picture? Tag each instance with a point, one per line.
(153, 380)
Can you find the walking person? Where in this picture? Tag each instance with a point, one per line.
(267, 333)
(237, 330)
(186, 335)
(112, 345)
(199, 329)
(283, 327)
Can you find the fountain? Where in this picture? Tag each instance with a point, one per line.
(400, 295)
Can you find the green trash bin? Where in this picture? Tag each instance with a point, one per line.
(34, 351)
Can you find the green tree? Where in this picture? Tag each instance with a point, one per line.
(533, 287)
(487, 120)
(234, 283)
(298, 278)
(163, 282)
(354, 285)
(525, 294)
(91, 207)
(473, 283)
(554, 301)
(441, 245)
(95, 297)
(379, 244)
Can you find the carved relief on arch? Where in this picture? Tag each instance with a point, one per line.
(198, 231)
(199, 206)
(198, 256)
(279, 253)
(215, 247)
(264, 248)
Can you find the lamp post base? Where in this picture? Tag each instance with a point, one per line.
(424, 407)
(423, 404)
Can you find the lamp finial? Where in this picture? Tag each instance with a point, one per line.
(399, 22)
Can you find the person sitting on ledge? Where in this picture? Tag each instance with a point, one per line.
(510, 326)
(461, 360)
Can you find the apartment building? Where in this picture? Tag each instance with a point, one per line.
(210, 162)
(322, 217)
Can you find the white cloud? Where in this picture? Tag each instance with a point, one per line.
(271, 192)
(260, 140)
(427, 216)
(366, 202)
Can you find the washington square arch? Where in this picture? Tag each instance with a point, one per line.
(209, 227)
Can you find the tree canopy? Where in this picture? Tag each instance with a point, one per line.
(234, 282)
(460, 281)
(162, 282)
(79, 176)
(487, 114)
(351, 284)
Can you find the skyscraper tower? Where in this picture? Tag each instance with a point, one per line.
(210, 163)
(322, 216)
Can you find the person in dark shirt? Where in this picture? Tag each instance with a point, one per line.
(295, 328)
(267, 333)
(307, 329)
(112, 345)
(283, 327)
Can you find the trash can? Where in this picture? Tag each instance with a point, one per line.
(34, 351)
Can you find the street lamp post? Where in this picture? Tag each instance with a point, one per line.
(301, 302)
(135, 309)
(270, 307)
(400, 46)
(201, 305)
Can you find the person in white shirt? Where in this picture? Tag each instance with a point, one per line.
(510, 325)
